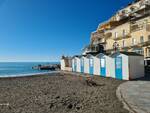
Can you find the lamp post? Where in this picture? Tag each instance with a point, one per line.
(115, 46)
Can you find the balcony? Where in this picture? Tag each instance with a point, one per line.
(97, 38)
(140, 44)
(133, 9)
(126, 47)
(108, 25)
(131, 46)
(97, 34)
(96, 42)
(143, 44)
(122, 37)
(108, 35)
(140, 13)
(138, 27)
(93, 49)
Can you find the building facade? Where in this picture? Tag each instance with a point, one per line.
(128, 30)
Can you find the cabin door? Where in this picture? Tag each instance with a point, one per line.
(82, 65)
(103, 67)
(118, 67)
(91, 63)
(75, 65)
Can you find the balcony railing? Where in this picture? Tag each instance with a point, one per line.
(125, 47)
(133, 9)
(93, 48)
(137, 27)
(108, 35)
(125, 36)
(102, 42)
(140, 44)
(129, 46)
(146, 43)
(141, 14)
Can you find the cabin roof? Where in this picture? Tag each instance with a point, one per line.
(79, 56)
(100, 55)
(127, 53)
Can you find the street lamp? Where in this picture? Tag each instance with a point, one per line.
(115, 46)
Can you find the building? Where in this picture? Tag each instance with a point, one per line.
(128, 30)
(118, 46)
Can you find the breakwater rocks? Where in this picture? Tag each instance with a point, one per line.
(51, 67)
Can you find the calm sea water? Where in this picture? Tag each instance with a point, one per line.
(12, 69)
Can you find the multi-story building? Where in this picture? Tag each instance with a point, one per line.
(127, 30)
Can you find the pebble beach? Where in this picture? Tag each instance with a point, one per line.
(59, 93)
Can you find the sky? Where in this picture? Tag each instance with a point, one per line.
(44, 30)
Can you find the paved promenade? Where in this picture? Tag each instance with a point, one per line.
(135, 95)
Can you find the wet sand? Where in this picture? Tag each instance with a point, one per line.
(59, 93)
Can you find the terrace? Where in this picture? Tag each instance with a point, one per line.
(137, 26)
(133, 10)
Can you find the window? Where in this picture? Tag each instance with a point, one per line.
(123, 43)
(141, 39)
(133, 41)
(82, 62)
(124, 33)
(116, 34)
(91, 62)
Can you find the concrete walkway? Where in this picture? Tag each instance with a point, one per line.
(135, 96)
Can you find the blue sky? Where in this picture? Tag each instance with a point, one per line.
(43, 30)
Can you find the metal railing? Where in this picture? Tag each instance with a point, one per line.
(137, 27)
(123, 36)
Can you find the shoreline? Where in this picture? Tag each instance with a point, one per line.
(27, 75)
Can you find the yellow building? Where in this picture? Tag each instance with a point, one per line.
(127, 30)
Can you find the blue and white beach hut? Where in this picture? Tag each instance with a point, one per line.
(74, 64)
(96, 65)
(86, 65)
(105, 66)
(128, 65)
(78, 64)
(90, 64)
(82, 59)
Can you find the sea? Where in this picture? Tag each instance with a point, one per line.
(18, 69)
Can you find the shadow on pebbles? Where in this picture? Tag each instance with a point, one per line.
(59, 93)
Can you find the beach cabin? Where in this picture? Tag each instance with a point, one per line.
(104, 65)
(82, 64)
(74, 64)
(90, 64)
(96, 65)
(78, 64)
(86, 64)
(62, 62)
(128, 65)
(66, 63)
